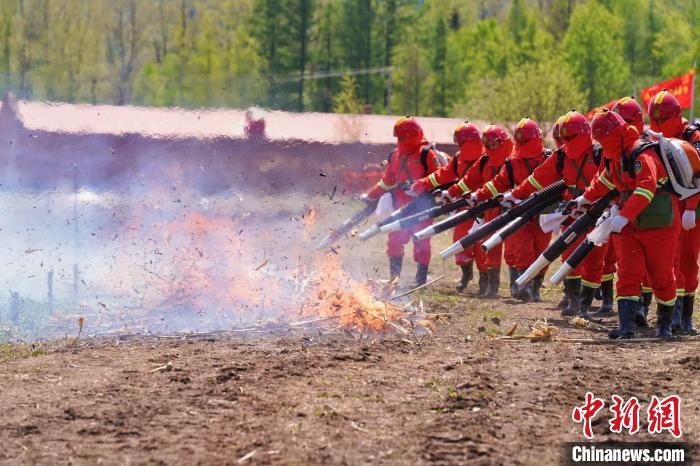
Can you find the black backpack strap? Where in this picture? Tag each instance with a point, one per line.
(560, 162)
(509, 168)
(597, 153)
(628, 162)
(425, 150)
(689, 131)
(455, 163)
(482, 162)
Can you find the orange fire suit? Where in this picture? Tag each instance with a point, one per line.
(525, 245)
(577, 170)
(453, 171)
(638, 249)
(403, 167)
(484, 170)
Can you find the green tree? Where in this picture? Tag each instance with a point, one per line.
(356, 40)
(439, 68)
(541, 90)
(594, 50)
(410, 74)
(347, 101)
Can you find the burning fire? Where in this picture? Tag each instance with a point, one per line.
(339, 295)
(210, 268)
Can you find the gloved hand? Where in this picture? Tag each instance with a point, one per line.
(581, 202)
(418, 188)
(688, 220)
(579, 206)
(445, 197)
(364, 197)
(509, 200)
(472, 199)
(618, 223)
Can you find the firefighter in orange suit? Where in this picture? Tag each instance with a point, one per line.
(498, 147)
(665, 117)
(411, 160)
(468, 138)
(575, 163)
(525, 245)
(645, 220)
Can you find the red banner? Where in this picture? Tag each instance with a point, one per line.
(609, 106)
(681, 87)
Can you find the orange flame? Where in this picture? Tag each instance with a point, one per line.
(337, 294)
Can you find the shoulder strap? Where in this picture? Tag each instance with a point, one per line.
(689, 131)
(560, 162)
(628, 162)
(509, 168)
(483, 161)
(597, 153)
(455, 163)
(425, 150)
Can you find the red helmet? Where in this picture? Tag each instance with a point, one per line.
(605, 123)
(630, 111)
(466, 131)
(665, 113)
(555, 131)
(573, 124)
(407, 127)
(493, 136)
(526, 130)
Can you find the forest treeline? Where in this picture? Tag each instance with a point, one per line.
(486, 59)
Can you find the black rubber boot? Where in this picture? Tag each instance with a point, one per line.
(467, 276)
(586, 302)
(664, 314)
(626, 309)
(494, 283)
(643, 309)
(536, 286)
(483, 284)
(564, 303)
(514, 289)
(687, 327)
(677, 311)
(598, 293)
(395, 264)
(573, 286)
(421, 274)
(606, 305)
(525, 292)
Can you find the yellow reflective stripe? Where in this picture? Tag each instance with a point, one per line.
(463, 186)
(385, 186)
(608, 276)
(534, 182)
(631, 298)
(433, 180)
(590, 284)
(666, 303)
(572, 277)
(646, 289)
(492, 188)
(644, 192)
(680, 291)
(662, 181)
(608, 184)
(690, 293)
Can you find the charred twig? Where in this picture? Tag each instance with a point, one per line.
(406, 293)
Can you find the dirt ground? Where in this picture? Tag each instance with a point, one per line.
(322, 397)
